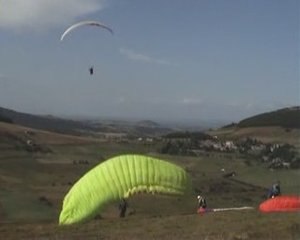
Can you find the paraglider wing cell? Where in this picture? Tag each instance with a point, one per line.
(121, 177)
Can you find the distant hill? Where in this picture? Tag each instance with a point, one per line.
(281, 126)
(147, 123)
(20, 136)
(49, 123)
(264, 134)
(83, 127)
(188, 135)
(286, 118)
(5, 119)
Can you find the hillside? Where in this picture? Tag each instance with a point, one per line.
(19, 136)
(5, 119)
(280, 126)
(83, 127)
(35, 176)
(286, 118)
(264, 134)
(44, 122)
(147, 123)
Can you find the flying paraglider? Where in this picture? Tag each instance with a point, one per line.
(81, 24)
(84, 23)
(118, 178)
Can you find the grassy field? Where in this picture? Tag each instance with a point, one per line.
(264, 134)
(218, 226)
(33, 185)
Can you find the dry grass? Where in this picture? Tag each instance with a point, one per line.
(219, 226)
(264, 134)
(26, 177)
(41, 136)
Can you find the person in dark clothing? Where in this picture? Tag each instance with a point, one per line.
(201, 205)
(201, 202)
(123, 207)
(91, 70)
(274, 190)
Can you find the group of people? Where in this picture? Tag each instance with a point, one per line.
(123, 206)
(274, 191)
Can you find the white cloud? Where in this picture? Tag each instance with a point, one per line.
(21, 15)
(130, 54)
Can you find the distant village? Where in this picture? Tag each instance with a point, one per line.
(274, 155)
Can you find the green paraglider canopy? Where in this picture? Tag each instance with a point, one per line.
(120, 177)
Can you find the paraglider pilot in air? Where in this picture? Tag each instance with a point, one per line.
(91, 70)
(123, 207)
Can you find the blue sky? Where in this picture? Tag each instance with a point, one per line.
(167, 60)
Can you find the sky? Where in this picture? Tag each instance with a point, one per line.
(167, 59)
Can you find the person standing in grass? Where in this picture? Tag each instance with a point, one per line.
(123, 207)
(201, 204)
(274, 190)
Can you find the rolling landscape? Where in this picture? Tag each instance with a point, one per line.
(38, 166)
(128, 119)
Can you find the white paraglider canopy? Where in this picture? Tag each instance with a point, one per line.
(84, 23)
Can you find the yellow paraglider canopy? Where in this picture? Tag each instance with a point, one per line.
(121, 177)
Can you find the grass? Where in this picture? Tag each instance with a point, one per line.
(21, 205)
(219, 226)
(27, 179)
(264, 134)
